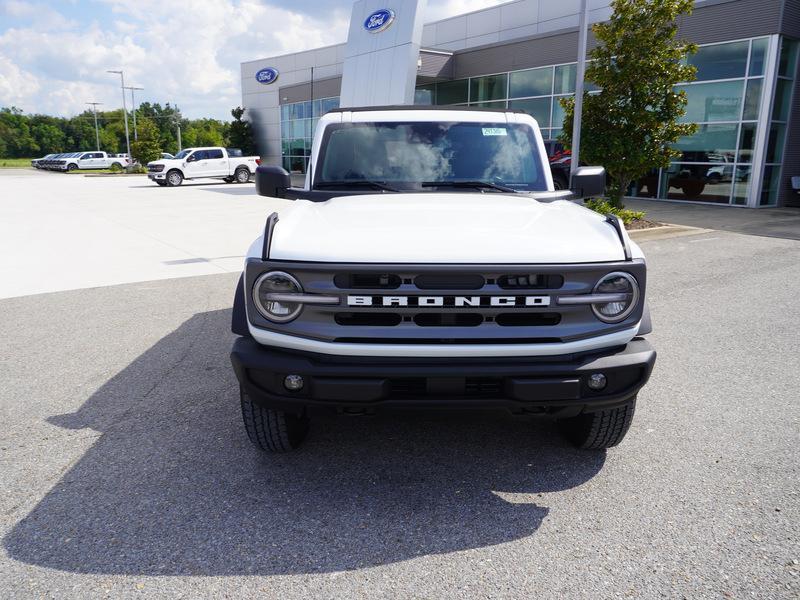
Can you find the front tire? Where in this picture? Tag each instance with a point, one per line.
(242, 175)
(599, 430)
(72, 167)
(174, 178)
(272, 430)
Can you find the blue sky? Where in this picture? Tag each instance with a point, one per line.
(54, 55)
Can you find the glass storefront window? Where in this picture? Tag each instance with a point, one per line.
(558, 111)
(491, 87)
(533, 82)
(328, 104)
(501, 105)
(554, 133)
(777, 135)
(752, 99)
(720, 101)
(452, 92)
(740, 184)
(788, 58)
(747, 141)
(769, 187)
(711, 143)
(538, 108)
(721, 61)
(758, 53)
(704, 183)
(564, 82)
(783, 97)
(424, 95)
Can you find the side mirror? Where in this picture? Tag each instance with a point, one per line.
(588, 181)
(192, 158)
(272, 181)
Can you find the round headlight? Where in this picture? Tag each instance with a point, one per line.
(616, 283)
(276, 282)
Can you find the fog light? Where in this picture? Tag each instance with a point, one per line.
(597, 381)
(293, 383)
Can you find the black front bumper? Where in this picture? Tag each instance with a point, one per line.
(362, 385)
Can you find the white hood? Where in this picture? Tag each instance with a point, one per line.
(444, 228)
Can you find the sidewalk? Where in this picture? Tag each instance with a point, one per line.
(768, 222)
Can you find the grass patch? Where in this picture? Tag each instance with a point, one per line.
(14, 163)
(605, 208)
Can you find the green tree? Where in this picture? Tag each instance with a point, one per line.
(148, 147)
(240, 133)
(19, 143)
(631, 126)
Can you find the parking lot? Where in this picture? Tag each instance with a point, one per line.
(125, 468)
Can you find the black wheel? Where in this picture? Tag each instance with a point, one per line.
(601, 429)
(72, 167)
(242, 175)
(174, 178)
(116, 165)
(272, 430)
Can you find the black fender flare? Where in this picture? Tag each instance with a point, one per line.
(239, 313)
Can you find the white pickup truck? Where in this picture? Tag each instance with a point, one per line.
(90, 160)
(427, 262)
(227, 164)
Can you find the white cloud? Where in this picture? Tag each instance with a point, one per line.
(183, 52)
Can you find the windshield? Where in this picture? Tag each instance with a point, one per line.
(183, 153)
(420, 155)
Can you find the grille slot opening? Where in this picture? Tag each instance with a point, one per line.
(368, 319)
(527, 319)
(449, 281)
(483, 386)
(448, 319)
(527, 281)
(356, 281)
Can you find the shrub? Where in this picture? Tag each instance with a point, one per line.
(604, 207)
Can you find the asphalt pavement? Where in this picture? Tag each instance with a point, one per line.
(125, 470)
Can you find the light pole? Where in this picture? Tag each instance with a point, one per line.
(178, 123)
(125, 112)
(94, 106)
(579, 76)
(133, 110)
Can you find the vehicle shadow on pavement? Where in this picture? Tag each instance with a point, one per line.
(173, 487)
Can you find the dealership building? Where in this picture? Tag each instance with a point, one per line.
(522, 55)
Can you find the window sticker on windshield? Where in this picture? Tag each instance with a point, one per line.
(494, 131)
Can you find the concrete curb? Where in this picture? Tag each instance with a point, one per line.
(665, 231)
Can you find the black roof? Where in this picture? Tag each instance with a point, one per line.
(426, 107)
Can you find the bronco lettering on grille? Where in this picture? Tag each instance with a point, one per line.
(448, 301)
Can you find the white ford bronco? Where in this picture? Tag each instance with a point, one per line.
(427, 263)
(227, 164)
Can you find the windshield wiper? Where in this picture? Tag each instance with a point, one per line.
(484, 185)
(375, 185)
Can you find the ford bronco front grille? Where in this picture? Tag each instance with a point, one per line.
(512, 304)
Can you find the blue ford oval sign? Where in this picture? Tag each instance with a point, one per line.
(379, 20)
(267, 76)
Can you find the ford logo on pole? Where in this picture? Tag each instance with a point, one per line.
(267, 76)
(379, 20)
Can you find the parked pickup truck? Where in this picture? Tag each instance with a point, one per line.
(427, 263)
(89, 160)
(227, 164)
